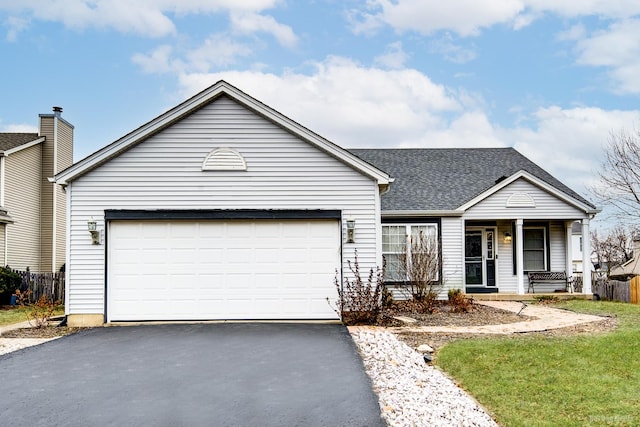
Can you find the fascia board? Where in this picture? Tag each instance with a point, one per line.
(535, 181)
(420, 213)
(24, 146)
(196, 102)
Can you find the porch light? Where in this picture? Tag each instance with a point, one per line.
(507, 237)
(351, 229)
(93, 230)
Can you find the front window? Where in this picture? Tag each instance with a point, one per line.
(397, 247)
(535, 248)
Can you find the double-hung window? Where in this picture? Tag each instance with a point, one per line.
(398, 240)
(535, 248)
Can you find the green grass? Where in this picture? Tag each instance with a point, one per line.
(19, 314)
(542, 381)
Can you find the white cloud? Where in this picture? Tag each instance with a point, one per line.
(19, 128)
(346, 102)
(249, 23)
(158, 61)
(450, 51)
(618, 49)
(216, 50)
(393, 58)
(15, 26)
(470, 17)
(145, 17)
(464, 17)
(569, 142)
(575, 32)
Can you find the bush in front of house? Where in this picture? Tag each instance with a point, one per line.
(10, 281)
(458, 302)
(359, 300)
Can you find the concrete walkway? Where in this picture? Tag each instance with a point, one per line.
(540, 318)
(8, 345)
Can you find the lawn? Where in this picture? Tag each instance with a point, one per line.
(9, 315)
(545, 381)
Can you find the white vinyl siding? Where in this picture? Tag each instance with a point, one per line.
(452, 238)
(165, 172)
(507, 281)
(547, 206)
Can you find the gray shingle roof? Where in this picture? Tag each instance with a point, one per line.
(446, 178)
(13, 140)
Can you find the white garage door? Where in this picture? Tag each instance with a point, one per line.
(198, 270)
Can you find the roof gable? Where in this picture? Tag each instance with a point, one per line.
(10, 141)
(198, 101)
(449, 179)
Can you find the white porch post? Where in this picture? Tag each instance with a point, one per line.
(586, 258)
(569, 253)
(519, 256)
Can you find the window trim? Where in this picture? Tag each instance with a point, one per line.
(408, 225)
(547, 250)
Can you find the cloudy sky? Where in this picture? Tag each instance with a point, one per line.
(551, 78)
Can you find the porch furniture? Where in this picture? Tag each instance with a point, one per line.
(549, 277)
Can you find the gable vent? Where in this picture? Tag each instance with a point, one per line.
(224, 159)
(521, 200)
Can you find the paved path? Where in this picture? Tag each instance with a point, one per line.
(7, 345)
(540, 318)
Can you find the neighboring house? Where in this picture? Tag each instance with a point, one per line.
(32, 207)
(223, 208)
(629, 269)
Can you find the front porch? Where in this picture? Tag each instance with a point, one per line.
(524, 258)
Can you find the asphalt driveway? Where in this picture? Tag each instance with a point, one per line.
(235, 374)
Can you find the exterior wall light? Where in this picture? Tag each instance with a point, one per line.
(93, 229)
(351, 230)
(507, 237)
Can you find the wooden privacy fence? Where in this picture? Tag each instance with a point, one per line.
(613, 290)
(49, 284)
(635, 290)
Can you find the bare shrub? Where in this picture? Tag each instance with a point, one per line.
(422, 264)
(458, 302)
(40, 311)
(359, 301)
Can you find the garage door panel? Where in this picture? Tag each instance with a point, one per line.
(222, 270)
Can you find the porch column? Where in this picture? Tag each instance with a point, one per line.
(569, 245)
(586, 258)
(519, 256)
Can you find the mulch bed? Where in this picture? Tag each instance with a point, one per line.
(45, 332)
(478, 315)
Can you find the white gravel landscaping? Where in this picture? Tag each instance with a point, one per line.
(410, 392)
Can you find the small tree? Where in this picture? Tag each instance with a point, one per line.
(619, 176)
(421, 263)
(614, 248)
(359, 302)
